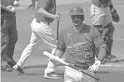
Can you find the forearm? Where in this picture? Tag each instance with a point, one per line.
(5, 9)
(33, 1)
(45, 13)
(102, 52)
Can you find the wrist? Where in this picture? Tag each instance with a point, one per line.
(53, 16)
(98, 62)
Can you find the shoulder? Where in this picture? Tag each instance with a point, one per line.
(88, 27)
(66, 29)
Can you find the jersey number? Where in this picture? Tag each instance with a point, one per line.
(89, 54)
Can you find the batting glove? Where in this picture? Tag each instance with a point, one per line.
(57, 16)
(16, 3)
(95, 66)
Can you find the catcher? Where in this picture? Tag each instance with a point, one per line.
(81, 43)
(102, 14)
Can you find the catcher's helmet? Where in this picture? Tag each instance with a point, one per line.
(76, 11)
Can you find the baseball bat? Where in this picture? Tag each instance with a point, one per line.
(57, 30)
(67, 64)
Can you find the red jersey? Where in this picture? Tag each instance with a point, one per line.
(79, 47)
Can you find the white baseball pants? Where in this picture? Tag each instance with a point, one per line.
(100, 16)
(43, 33)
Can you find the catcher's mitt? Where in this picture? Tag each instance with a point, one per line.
(115, 16)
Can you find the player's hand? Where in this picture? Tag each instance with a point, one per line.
(53, 59)
(31, 6)
(57, 16)
(95, 66)
(11, 8)
(16, 3)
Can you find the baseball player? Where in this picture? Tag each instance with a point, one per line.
(81, 43)
(9, 35)
(102, 14)
(44, 15)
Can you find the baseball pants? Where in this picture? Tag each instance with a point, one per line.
(41, 32)
(100, 16)
(9, 37)
(72, 75)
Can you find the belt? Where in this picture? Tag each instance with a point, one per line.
(39, 21)
(107, 26)
(83, 66)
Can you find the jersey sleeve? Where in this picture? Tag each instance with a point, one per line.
(61, 42)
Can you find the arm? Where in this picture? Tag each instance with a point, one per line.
(33, 1)
(5, 9)
(45, 8)
(100, 49)
(32, 5)
(100, 46)
(60, 45)
(47, 14)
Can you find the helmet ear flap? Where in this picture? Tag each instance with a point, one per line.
(82, 17)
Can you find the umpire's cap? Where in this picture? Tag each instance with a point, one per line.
(77, 10)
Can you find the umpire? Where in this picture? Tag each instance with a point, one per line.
(9, 34)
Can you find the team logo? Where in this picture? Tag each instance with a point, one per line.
(69, 39)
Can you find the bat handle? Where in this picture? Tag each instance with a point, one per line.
(57, 30)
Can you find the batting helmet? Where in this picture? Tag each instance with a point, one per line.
(76, 11)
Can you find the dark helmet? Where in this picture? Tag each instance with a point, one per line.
(76, 11)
